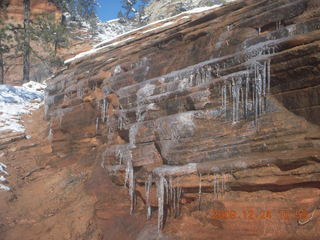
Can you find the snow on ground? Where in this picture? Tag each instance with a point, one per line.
(15, 101)
(2, 178)
(162, 26)
(111, 29)
(111, 32)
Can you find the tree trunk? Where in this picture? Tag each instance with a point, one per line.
(1, 69)
(26, 44)
(55, 48)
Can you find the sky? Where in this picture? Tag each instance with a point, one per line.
(109, 9)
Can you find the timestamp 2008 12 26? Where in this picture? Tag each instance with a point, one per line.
(255, 214)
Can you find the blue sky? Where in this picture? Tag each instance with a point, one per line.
(109, 9)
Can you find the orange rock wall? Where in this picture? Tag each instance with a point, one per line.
(15, 8)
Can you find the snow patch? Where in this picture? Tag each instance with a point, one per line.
(202, 9)
(2, 178)
(159, 27)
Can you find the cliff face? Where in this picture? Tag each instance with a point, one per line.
(15, 9)
(210, 119)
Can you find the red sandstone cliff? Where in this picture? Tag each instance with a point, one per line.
(15, 9)
(206, 123)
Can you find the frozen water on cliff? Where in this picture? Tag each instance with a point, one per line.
(148, 185)
(168, 192)
(130, 179)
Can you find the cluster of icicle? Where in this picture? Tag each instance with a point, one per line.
(103, 106)
(168, 195)
(247, 92)
(218, 185)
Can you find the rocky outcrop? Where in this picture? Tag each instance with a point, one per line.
(210, 119)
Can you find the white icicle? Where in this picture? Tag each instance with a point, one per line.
(97, 125)
(148, 185)
(268, 74)
(179, 192)
(161, 199)
(130, 179)
(200, 191)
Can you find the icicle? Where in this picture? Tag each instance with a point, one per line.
(224, 98)
(179, 192)
(259, 30)
(97, 125)
(132, 134)
(215, 187)
(104, 108)
(236, 86)
(161, 185)
(130, 179)
(268, 74)
(233, 100)
(200, 191)
(120, 156)
(148, 185)
(50, 136)
(122, 119)
(278, 24)
(247, 94)
(174, 199)
(224, 181)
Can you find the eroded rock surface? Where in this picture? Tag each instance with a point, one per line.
(211, 120)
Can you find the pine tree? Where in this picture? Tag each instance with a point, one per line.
(133, 11)
(26, 43)
(51, 33)
(5, 46)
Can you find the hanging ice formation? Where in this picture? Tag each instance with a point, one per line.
(148, 185)
(104, 110)
(200, 191)
(130, 179)
(168, 198)
(219, 185)
(248, 91)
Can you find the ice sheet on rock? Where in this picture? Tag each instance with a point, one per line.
(176, 126)
(169, 170)
(202, 9)
(143, 96)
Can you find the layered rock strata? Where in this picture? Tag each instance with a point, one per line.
(210, 119)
